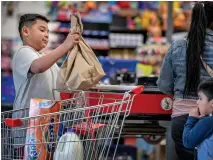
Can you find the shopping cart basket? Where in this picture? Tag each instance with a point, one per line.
(84, 128)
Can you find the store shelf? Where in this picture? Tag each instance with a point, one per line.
(123, 47)
(62, 20)
(84, 21)
(6, 107)
(126, 30)
(129, 31)
(86, 33)
(61, 30)
(100, 48)
(95, 33)
(6, 69)
(93, 47)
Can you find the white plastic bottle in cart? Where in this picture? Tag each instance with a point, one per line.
(69, 147)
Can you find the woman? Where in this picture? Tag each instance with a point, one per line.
(182, 71)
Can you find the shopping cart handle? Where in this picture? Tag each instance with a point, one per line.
(138, 89)
(124, 88)
(13, 122)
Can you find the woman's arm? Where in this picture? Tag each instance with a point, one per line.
(165, 81)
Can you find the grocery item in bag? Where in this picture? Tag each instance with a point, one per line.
(81, 69)
(42, 130)
(69, 147)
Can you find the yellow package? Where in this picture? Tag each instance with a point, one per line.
(42, 132)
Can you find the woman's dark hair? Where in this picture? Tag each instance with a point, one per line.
(202, 18)
(207, 88)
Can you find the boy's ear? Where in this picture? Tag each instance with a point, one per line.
(211, 103)
(25, 31)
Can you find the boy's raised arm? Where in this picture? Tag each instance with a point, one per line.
(45, 62)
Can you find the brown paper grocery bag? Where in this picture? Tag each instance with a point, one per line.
(81, 69)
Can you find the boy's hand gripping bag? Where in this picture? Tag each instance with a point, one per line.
(81, 69)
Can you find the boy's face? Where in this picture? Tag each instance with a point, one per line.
(205, 106)
(37, 35)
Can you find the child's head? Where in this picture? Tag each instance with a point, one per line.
(205, 101)
(33, 30)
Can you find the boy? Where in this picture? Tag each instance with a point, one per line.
(35, 73)
(198, 130)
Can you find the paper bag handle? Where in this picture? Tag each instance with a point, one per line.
(76, 24)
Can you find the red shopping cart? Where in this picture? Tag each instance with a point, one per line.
(84, 128)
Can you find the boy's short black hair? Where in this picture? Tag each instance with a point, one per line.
(29, 20)
(207, 88)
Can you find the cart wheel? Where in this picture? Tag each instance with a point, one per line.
(153, 139)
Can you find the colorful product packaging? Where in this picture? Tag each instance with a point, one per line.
(42, 129)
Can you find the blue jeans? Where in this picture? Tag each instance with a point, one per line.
(177, 132)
